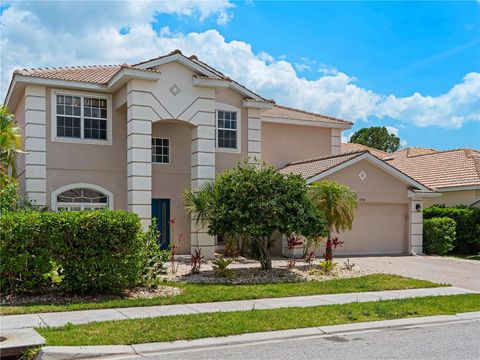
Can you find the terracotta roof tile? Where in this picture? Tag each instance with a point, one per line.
(288, 113)
(441, 169)
(92, 74)
(312, 167)
(349, 147)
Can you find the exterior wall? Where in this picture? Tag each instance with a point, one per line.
(378, 186)
(170, 180)
(20, 161)
(282, 144)
(226, 160)
(34, 144)
(336, 141)
(453, 198)
(415, 230)
(102, 165)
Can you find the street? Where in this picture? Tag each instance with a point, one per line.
(441, 341)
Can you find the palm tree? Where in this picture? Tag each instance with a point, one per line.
(200, 204)
(10, 144)
(338, 202)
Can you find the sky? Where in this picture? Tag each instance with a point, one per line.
(412, 67)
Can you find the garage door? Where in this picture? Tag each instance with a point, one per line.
(377, 229)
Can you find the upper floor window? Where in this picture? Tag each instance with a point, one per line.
(81, 117)
(227, 129)
(160, 150)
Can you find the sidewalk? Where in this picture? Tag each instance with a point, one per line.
(142, 351)
(12, 322)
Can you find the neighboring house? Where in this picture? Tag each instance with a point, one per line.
(134, 137)
(455, 174)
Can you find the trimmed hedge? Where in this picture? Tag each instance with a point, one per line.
(77, 251)
(438, 235)
(467, 228)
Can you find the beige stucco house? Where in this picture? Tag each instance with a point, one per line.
(135, 136)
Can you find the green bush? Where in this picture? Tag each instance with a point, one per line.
(78, 251)
(467, 228)
(438, 235)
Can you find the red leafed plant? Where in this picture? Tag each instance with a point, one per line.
(291, 264)
(309, 257)
(330, 248)
(294, 241)
(196, 261)
(173, 247)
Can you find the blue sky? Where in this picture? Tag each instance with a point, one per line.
(362, 61)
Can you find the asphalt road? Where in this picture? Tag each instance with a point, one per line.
(446, 341)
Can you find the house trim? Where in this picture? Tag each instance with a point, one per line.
(54, 194)
(305, 123)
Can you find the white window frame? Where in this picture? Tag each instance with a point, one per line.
(169, 150)
(227, 107)
(54, 203)
(81, 140)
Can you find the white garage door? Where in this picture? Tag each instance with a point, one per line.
(377, 229)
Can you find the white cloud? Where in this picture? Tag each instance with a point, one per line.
(302, 67)
(35, 37)
(392, 130)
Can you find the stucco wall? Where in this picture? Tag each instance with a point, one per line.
(170, 180)
(378, 186)
(282, 144)
(20, 161)
(452, 198)
(102, 165)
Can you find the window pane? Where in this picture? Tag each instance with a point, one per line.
(160, 150)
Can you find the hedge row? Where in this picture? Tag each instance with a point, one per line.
(438, 235)
(78, 251)
(467, 228)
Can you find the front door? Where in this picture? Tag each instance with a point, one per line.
(161, 211)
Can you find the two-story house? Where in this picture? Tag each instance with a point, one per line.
(134, 137)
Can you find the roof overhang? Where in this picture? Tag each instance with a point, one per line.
(375, 161)
(305, 123)
(211, 83)
(417, 194)
(459, 188)
(19, 82)
(263, 105)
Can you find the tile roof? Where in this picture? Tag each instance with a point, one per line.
(440, 169)
(349, 147)
(92, 74)
(96, 74)
(288, 113)
(312, 167)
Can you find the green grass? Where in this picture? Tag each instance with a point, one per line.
(187, 327)
(195, 293)
(466, 256)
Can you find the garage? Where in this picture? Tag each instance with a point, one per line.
(388, 219)
(377, 229)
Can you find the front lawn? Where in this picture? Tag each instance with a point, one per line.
(187, 327)
(195, 293)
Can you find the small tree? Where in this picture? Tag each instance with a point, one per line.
(256, 202)
(376, 137)
(338, 202)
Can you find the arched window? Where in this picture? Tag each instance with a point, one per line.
(81, 197)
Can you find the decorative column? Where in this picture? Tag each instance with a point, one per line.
(254, 135)
(416, 227)
(35, 145)
(202, 172)
(139, 158)
(336, 141)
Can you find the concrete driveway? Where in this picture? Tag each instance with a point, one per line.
(461, 273)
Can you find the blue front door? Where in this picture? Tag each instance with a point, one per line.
(161, 211)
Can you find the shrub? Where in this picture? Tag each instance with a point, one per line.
(85, 251)
(467, 226)
(196, 260)
(438, 235)
(220, 268)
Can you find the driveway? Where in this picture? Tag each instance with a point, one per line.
(461, 273)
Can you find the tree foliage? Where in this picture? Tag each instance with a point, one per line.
(256, 202)
(378, 138)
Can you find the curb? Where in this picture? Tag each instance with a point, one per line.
(141, 350)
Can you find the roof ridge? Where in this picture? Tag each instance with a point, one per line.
(328, 157)
(368, 147)
(313, 113)
(446, 151)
